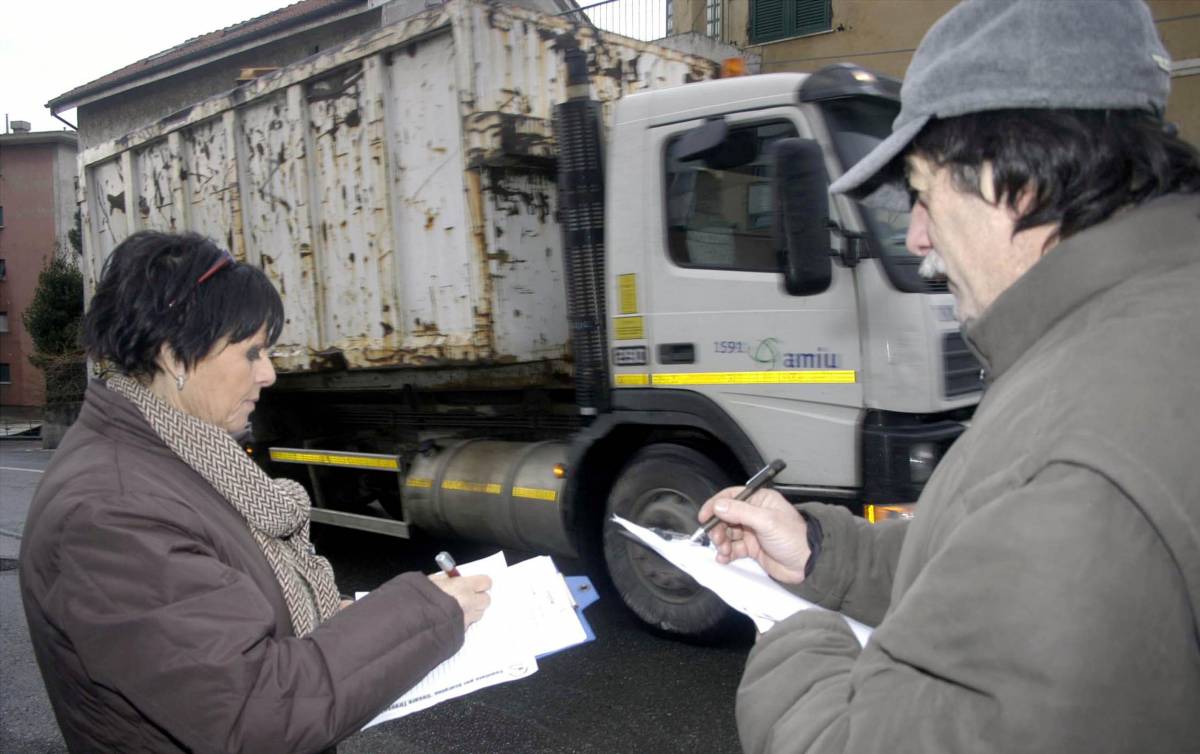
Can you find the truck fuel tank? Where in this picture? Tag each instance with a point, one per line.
(510, 493)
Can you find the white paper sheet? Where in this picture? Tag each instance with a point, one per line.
(531, 613)
(550, 611)
(490, 653)
(742, 584)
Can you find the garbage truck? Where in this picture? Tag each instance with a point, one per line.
(536, 274)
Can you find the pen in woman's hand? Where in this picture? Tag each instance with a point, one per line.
(446, 563)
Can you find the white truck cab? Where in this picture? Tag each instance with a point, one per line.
(847, 366)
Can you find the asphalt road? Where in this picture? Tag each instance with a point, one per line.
(628, 691)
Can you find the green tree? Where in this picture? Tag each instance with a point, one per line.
(53, 321)
(75, 234)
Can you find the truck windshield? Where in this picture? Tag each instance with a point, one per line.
(857, 125)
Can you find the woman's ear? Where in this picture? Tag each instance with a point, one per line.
(172, 364)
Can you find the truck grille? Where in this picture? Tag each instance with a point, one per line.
(961, 371)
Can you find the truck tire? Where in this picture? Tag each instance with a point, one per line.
(664, 486)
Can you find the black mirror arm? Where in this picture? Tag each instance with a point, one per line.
(855, 247)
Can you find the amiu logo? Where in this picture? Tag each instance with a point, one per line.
(822, 359)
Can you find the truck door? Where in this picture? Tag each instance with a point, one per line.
(714, 315)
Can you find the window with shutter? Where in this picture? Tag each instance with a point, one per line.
(777, 19)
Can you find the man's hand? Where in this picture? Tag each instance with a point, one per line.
(766, 527)
(469, 591)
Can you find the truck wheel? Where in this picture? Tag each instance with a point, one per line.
(664, 486)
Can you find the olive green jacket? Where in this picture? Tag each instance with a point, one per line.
(1046, 596)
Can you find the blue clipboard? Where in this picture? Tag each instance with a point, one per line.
(584, 594)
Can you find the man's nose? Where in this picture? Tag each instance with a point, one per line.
(917, 239)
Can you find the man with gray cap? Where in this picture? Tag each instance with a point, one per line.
(1046, 596)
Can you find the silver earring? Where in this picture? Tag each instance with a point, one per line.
(179, 380)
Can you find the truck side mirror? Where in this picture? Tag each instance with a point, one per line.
(802, 216)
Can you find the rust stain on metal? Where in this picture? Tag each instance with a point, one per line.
(421, 327)
(502, 138)
(329, 359)
(484, 325)
(511, 200)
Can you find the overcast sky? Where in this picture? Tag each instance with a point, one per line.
(48, 47)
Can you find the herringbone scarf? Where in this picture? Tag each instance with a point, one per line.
(277, 510)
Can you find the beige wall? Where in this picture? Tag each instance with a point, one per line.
(876, 34)
(1178, 23)
(689, 16)
(882, 34)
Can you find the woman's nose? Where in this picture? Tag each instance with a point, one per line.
(266, 372)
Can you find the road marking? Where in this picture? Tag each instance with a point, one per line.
(18, 468)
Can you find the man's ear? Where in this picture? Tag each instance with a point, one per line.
(1017, 205)
(1023, 200)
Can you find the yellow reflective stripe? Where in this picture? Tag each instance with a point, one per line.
(807, 377)
(627, 293)
(802, 377)
(632, 380)
(420, 482)
(459, 485)
(535, 493)
(629, 328)
(334, 459)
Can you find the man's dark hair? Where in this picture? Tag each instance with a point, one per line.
(1083, 165)
(149, 295)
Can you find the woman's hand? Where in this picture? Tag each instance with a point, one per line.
(469, 591)
(766, 527)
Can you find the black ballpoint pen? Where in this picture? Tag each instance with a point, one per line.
(764, 475)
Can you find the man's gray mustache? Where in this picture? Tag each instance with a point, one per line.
(932, 267)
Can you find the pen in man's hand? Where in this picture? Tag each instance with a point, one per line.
(754, 484)
(446, 563)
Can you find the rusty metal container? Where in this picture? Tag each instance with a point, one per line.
(398, 189)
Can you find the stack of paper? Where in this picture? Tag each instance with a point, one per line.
(532, 614)
(742, 584)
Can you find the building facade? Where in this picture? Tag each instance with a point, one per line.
(804, 35)
(37, 210)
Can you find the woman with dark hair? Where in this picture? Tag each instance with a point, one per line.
(172, 595)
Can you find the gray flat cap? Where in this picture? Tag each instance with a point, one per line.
(999, 54)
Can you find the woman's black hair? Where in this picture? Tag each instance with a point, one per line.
(150, 294)
(1083, 165)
